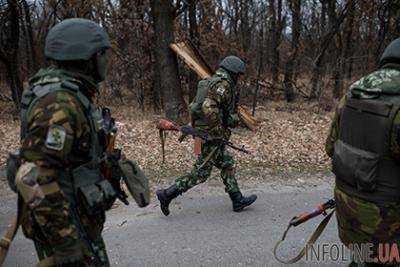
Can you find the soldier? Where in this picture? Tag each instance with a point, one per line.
(364, 144)
(214, 110)
(64, 194)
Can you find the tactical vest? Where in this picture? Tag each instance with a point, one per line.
(362, 160)
(85, 183)
(195, 107)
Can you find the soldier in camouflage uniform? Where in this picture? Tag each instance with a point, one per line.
(64, 194)
(364, 144)
(214, 110)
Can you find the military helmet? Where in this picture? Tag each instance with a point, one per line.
(391, 53)
(75, 39)
(233, 64)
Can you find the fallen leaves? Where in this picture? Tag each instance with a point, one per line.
(290, 137)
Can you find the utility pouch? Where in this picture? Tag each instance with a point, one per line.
(12, 166)
(96, 193)
(356, 167)
(136, 182)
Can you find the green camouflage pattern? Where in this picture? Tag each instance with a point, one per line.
(50, 224)
(202, 171)
(384, 80)
(219, 102)
(361, 221)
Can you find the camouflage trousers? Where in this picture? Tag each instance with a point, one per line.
(363, 222)
(47, 231)
(202, 170)
(44, 250)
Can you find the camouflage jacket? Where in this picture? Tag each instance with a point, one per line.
(361, 221)
(57, 136)
(219, 106)
(389, 76)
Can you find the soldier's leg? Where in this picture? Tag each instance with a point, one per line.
(94, 225)
(101, 251)
(226, 163)
(200, 173)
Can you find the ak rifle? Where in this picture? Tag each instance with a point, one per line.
(186, 130)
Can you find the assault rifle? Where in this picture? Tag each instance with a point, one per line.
(167, 125)
(113, 154)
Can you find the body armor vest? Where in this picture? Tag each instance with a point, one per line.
(362, 160)
(203, 87)
(85, 183)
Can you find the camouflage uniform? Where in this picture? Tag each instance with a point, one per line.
(214, 111)
(64, 194)
(360, 220)
(49, 224)
(218, 102)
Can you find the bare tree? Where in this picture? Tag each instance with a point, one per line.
(295, 7)
(9, 44)
(164, 13)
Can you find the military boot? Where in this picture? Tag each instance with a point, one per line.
(239, 202)
(165, 196)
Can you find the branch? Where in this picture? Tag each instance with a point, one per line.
(6, 98)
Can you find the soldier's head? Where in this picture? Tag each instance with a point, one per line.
(234, 66)
(391, 53)
(81, 45)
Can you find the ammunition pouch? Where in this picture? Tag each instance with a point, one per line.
(93, 190)
(12, 166)
(136, 182)
(357, 167)
(363, 162)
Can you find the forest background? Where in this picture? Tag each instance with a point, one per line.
(301, 56)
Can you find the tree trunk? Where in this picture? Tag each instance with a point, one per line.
(163, 18)
(335, 52)
(316, 82)
(348, 41)
(195, 39)
(9, 51)
(274, 43)
(244, 24)
(33, 66)
(290, 78)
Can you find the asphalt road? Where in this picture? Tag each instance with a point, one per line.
(202, 230)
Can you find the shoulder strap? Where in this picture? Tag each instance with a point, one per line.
(315, 235)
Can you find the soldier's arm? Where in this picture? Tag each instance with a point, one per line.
(333, 135)
(217, 98)
(54, 123)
